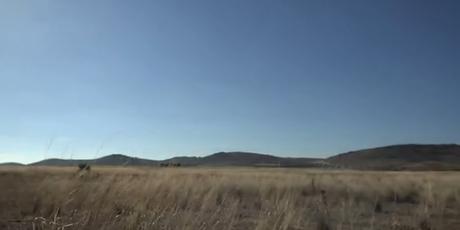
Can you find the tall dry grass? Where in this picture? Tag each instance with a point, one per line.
(227, 198)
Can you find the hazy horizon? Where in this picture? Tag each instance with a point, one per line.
(158, 79)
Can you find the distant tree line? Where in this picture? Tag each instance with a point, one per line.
(170, 164)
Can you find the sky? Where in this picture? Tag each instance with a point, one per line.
(163, 78)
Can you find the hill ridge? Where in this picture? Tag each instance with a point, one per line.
(400, 157)
(391, 157)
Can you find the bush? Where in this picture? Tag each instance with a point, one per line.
(84, 167)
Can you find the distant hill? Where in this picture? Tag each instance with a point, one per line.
(11, 164)
(245, 159)
(110, 160)
(396, 157)
(118, 159)
(59, 162)
(217, 159)
(402, 157)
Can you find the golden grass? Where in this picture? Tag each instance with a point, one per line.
(226, 198)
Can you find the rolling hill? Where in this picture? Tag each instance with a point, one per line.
(217, 159)
(110, 160)
(401, 157)
(11, 164)
(245, 159)
(395, 157)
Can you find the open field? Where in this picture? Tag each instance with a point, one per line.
(226, 198)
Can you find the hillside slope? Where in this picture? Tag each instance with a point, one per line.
(244, 159)
(402, 157)
(110, 160)
(217, 159)
(11, 164)
(396, 157)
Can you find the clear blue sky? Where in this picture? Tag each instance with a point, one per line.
(157, 79)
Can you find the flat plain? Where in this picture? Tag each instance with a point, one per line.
(226, 198)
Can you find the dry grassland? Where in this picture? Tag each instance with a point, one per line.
(227, 198)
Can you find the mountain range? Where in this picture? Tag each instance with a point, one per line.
(217, 159)
(395, 157)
